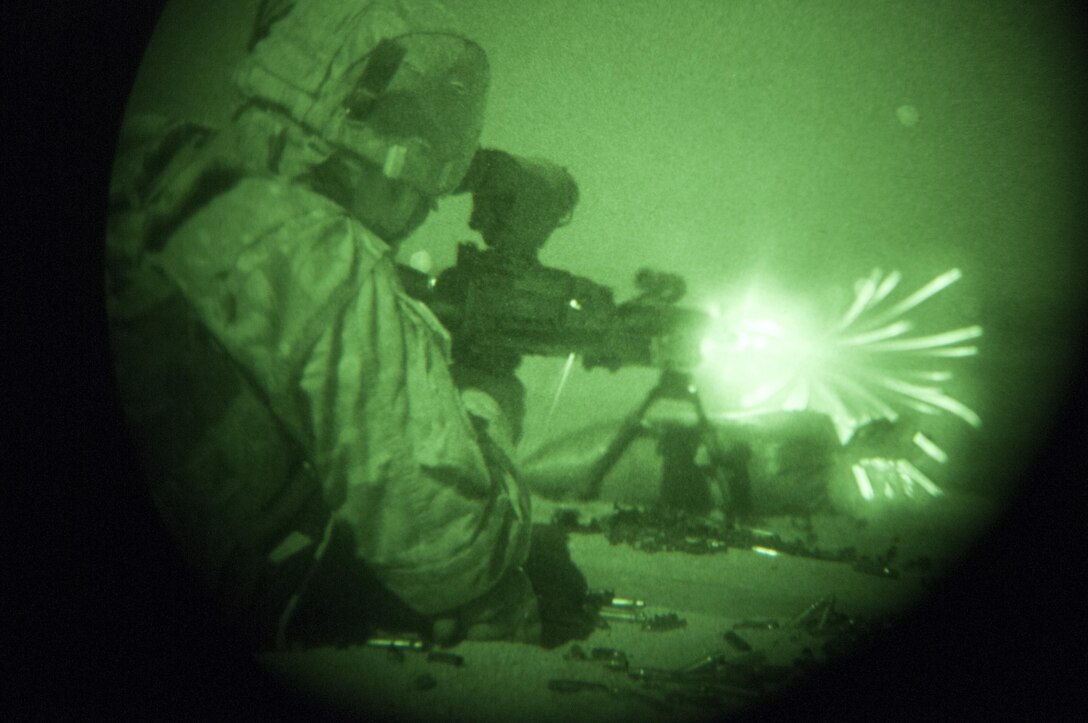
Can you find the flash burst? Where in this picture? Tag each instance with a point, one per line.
(868, 364)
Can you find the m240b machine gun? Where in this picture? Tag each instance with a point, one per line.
(500, 306)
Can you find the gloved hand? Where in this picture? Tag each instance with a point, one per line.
(508, 611)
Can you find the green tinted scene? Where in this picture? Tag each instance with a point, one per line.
(614, 360)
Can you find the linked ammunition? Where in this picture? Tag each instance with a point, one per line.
(660, 623)
(613, 659)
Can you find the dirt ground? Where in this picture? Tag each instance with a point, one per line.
(710, 593)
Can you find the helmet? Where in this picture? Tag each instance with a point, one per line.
(386, 80)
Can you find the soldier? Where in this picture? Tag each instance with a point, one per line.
(293, 406)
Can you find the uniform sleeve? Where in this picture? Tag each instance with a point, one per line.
(307, 303)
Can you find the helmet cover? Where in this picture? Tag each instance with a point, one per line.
(387, 80)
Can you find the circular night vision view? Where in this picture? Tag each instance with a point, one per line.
(587, 360)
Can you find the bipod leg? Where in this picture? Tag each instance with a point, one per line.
(631, 428)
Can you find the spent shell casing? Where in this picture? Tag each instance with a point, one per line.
(396, 643)
(627, 602)
(631, 615)
(705, 663)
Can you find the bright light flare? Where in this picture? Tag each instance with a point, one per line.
(752, 351)
(865, 485)
(765, 353)
(893, 478)
(930, 447)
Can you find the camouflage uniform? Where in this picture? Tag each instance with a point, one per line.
(282, 387)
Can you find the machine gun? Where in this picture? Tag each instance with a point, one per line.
(500, 306)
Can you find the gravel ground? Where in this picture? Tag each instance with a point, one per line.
(711, 593)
